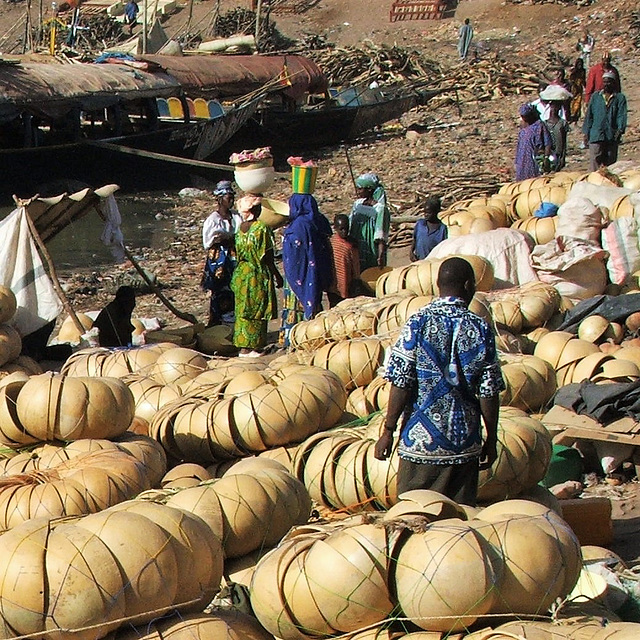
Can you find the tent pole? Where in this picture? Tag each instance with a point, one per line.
(188, 317)
(52, 272)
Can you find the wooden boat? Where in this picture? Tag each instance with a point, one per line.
(342, 115)
(100, 123)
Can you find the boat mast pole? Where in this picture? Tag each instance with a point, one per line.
(144, 27)
(257, 32)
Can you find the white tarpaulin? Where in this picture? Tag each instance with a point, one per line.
(22, 271)
(506, 249)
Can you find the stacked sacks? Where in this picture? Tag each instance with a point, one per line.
(442, 574)
(84, 477)
(86, 576)
(267, 411)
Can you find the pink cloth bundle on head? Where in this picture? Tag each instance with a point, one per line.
(246, 203)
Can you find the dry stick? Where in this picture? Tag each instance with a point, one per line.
(52, 270)
(353, 180)
(180, 314)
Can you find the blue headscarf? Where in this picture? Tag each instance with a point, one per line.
(306, 252)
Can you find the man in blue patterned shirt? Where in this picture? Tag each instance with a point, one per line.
(445, 376)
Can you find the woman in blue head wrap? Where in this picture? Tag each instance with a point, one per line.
(369, 221)
(218, 233)
(307, 262)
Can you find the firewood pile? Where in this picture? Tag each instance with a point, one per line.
(635, 28)
(370, 62)
(483, 79)
(450, 188)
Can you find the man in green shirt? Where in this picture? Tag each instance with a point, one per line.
(604, 123)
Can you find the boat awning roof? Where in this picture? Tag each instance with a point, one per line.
(53, 89)
(214, 76)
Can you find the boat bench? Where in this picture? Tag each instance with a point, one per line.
(417, 10)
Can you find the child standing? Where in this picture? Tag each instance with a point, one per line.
(346, 261)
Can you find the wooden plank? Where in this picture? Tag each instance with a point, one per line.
(601, 435)
(624, 425)
(558, 416)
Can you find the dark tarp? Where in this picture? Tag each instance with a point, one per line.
(214, 76)
(52, 90)
(602, 402)
(613, 308)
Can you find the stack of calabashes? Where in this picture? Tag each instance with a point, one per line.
(424, 560)
(87, 475)
(10, 342)
(340, 470)
(90, 575)
(254, 411)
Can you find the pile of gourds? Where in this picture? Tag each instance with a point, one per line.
(420, 277)
(252, 506)
(251, 413)
(51, 407)
(92, 574)
(340, 470)
(83, 477)
(10, 341)
(515, 557)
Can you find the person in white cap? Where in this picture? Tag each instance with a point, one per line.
(605, 123)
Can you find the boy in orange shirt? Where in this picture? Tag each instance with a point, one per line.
(346, 261)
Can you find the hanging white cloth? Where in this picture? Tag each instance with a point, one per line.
(22, 271)
(112, 233)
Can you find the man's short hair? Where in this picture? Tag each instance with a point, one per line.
(454, 272)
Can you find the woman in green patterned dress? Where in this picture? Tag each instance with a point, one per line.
(253, 279)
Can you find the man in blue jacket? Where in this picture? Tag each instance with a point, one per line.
(604, 123)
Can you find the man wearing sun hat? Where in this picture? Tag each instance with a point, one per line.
(605, 123)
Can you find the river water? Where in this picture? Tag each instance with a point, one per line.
(145, 223)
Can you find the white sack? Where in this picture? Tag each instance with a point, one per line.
(22, 271)
(574, 267)
(579, 218)
(600, 195)
(620, 241)
(506, 249)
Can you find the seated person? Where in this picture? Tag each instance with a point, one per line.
(114, 321)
